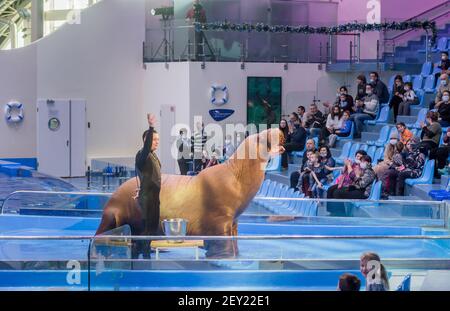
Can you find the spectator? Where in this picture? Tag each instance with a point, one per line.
(393, 159)
(369, 111)
(379, 88)
(295, 176)
(413, 161)
(431, 133)
(444, 64)
(405, 134)
(398, 89)
(328, 163)
(284, 128)
(214, 159)
(361, 87)
(443, 107)
(349, 283)
(344, 100)
(442, 86)
(184, 152)
(204, 161)
(409, 98)
(378, 280)
(443, 152)
(334, 123)
(312, 176)
(344, 131)
(389, 151)
(198, 141)
(301, 112)
(295, 140)
(314, 121)
(361, 181)
(229, 149)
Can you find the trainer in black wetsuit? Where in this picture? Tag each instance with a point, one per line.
(148, 169)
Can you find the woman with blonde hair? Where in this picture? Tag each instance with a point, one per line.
(376, 281)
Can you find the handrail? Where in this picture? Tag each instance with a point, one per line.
(429, 10)
(226, 238)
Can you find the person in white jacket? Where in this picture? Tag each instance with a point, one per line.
(334, 123)
(409, 98)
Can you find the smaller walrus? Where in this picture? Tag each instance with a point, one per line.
(211, 202)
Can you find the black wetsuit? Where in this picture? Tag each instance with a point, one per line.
(148, 168)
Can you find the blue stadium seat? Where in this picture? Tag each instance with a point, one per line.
(364, 147)
(383, 138)
(383, 116)
(375, 193)
(441, 45)
(353, 150)
(436, 71)
(407, 78)
(427, 175)
(430, 84)
(345, 152)
(349, 137)
(405, 286)
(264, 188)
(420, 97)
(427, 67)
(417, 82)
(300, 154)
(274, 164)
(371, 152)
(420, 118)
(415, 132)
(379, 155)
(391, 83)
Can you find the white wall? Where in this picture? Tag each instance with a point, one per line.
(18, 83)
(99, 60)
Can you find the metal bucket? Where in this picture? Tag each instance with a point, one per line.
(174, 228)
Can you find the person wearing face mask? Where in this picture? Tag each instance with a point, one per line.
(325, 177)
(431, 133)
(389, 151)
(389, 175)
(361, 182)
(398, 89)
(369, 111)
(344, 131)
(334, 123)
(443, 86)
(444, 64)
(408, 98)
(379, 88)
(411, 168)
(442, 154)
(184, 152)
(295, 176)
(343, 100)
(443, 107)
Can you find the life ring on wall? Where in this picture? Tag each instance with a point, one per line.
(14, 112)
(219, 101)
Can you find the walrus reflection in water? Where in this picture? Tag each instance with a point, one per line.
(211, 202)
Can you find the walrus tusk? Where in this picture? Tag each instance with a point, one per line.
(210, 202)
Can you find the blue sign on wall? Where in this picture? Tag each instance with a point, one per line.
(220, 114)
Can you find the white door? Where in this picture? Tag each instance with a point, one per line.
(53, 137)
(78, 127)
(168, 162)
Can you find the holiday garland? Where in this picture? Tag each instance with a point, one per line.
(345, 28)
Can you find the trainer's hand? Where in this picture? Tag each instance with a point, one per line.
(151, 119)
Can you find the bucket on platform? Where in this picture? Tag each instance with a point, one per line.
(175, 228)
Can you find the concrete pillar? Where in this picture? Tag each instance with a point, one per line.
(37, 19)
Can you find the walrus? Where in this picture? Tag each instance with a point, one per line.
(211, 202)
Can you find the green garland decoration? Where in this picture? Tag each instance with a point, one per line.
(344, 28)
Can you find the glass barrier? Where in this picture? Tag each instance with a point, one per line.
(365, 212)
(296, 262)
(43, 262)
(55, 203)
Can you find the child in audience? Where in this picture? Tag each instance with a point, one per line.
(349, 283)
(376, 281)
(317, 177)
(405, 134)
(408, 98)
(344, 131)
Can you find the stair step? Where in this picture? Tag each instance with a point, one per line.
(407, 119)
(369, 136)
(415, 111)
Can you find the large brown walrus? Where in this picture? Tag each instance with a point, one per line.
(210, 202)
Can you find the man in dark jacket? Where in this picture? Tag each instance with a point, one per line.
(379, 88)
(148, 169)
(296, 138)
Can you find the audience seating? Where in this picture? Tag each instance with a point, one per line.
(427, 68)
(301, 153)
(430, 84)
(407, 78)
(405, 286)
(345, 152)
(274, 164)
(417, 82)
(349, 137)
(427, 175)
(441, 45)
(383, 138)
(420, 118)
(379, 155)
(371, 152)
(383, 116)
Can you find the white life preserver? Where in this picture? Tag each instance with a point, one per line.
(219, 101)
(14, 112)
